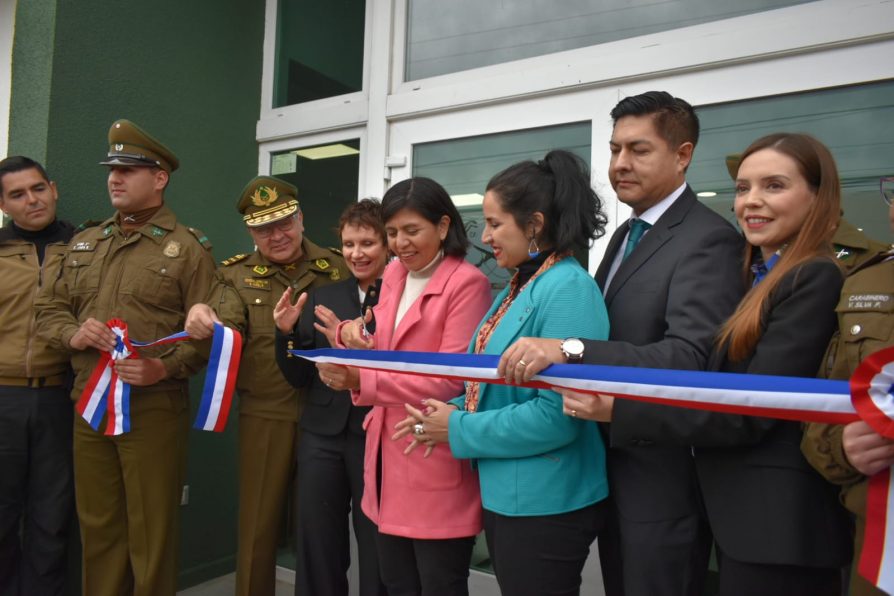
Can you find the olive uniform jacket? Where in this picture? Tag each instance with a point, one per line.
(148, 279)
(853, 248)
(865, 325)
(22, 353)
(249, 288)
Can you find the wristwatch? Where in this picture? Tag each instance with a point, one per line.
(573, 348)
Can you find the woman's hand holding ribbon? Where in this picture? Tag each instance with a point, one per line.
(527, 357)
(286, 314)
(586, 406)
(338, 377)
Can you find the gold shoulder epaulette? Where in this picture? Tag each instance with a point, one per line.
(201, 237)
(234, 259)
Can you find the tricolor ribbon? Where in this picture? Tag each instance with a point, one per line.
(867, 396)
(106, 394)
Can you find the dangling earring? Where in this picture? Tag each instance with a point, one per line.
(533, 249)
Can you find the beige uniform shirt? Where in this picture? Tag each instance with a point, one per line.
(148, 280)
(250, 287)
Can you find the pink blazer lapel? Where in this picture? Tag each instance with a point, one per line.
(435, 286)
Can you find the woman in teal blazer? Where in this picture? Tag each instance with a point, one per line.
(542, 474)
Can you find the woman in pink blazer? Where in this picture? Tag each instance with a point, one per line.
(427, 509)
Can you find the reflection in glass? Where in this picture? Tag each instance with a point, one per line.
(856, 123)
(450, 36)
(464, 167)
(327, 182)
(319, 50)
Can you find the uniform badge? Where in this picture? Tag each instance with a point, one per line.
(107, 231)
(335, 275)
(264, 196)
(172, 249)
(261, 269)
(322, 263)
(157, 232)
(119, 147)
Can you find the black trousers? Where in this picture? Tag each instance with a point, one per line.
(415, 567)
(738, 578)
(36, 489)
(542, 555)
(329, 478)
(660, 558)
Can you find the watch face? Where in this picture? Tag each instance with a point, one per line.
(573, 347)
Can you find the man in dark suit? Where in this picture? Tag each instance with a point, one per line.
(671, 275)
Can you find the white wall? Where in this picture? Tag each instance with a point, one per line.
(7, 20)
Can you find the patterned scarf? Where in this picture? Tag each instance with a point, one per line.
(487, 328)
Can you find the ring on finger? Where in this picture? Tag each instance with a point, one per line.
(521, 363)
(574, 413)
(418, 429)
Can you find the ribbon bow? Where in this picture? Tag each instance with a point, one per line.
(106, 394)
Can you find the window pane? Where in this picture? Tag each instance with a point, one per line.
(450, 36)
(327, 181)
(464, 167)
(856, 123)
(319, 49)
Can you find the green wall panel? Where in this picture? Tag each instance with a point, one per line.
(190, 73)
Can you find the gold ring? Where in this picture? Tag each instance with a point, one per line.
(521, 363)
(574, 413)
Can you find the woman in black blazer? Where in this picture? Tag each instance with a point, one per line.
(778, 528)
(330, 448)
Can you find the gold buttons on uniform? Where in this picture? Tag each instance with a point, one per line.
(257, 300)
(163, 270)
(856, 329)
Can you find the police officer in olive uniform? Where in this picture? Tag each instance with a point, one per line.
(145, 268)
(269, 406)
(36, 490)
(846, 455)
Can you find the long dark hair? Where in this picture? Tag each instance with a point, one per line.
(558, 186)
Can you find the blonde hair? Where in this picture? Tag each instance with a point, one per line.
(743, 329)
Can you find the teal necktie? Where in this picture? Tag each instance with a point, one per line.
(638, 227)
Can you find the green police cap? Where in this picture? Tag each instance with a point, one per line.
(265, 200)
(130, 145)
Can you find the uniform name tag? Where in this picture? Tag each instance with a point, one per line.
(869, 301)
(82, 246)
(258, 284)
